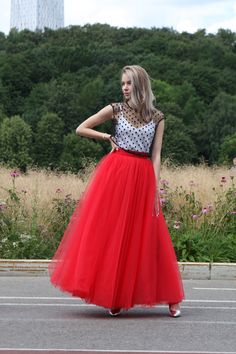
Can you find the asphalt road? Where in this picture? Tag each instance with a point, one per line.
(35, 315)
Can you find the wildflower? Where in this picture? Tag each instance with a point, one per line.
(14, 174)
(192, 184)
(163, 201)
(68, 199)
(164, 182)
(233, 212)
(59, 190)
(162, 191)
(3, 205)
(25, 237)
(205, 210)
(177, 224)
(195, 216)
(14, 244)
(223, 179)
(4, 240)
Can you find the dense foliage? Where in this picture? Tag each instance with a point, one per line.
(51, 81)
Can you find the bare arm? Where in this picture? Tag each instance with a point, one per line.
(86, 127)
(156, 151)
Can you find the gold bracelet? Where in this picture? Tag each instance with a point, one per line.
(105, 136)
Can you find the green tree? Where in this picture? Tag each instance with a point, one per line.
(36, 104)
(48, 141)
(15, 143)
(91, 97)
(227, 149)
(220, 123)
(64, 101)
(177, 144)
(77, 151)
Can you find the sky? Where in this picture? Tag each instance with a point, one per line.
(181, 15)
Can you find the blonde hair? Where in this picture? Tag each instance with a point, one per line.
(142, 97)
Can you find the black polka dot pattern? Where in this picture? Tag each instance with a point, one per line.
(131, 132)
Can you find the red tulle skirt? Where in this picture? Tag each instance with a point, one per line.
(115, 251)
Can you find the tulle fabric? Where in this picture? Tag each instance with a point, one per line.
(115, 252)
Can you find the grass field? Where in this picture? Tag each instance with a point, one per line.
(199, 203)
(43, 185)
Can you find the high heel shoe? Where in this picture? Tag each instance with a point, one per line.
(174, 312)
(115, 312)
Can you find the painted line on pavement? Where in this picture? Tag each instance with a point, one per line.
(52, 351)
(223, 289)
(85, 305)
(88, 305)
(212, 301)
(40, 298)
(78, 299)
(167, 320)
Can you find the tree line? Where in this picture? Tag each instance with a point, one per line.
(51, 81)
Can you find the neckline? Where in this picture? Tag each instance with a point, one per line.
(144, 125)
(130, 107)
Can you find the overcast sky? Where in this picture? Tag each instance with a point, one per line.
(182, 15)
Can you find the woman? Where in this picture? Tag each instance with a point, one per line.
(116, 251)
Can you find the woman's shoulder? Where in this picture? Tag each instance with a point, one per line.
(116, 107)
(158, 116)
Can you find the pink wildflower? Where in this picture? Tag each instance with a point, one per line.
(162, 201)
(59, 190)
(233, 212)
(205, 210)
(192, 184)
(162, 191)
(14, 174)
(3, 205)
(164, 182)
(195, 216)
(223, 179)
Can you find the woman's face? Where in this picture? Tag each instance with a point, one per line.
(126, 85)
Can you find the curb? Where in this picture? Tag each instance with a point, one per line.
(188, 270)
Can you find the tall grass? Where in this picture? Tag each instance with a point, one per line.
(198, 202)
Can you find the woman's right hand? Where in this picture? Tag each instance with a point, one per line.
(156, 208)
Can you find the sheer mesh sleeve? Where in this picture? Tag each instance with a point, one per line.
(116, 110)
(158, 116)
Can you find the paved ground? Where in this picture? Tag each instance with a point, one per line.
(34, 315)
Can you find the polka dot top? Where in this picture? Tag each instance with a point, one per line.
(132, 133)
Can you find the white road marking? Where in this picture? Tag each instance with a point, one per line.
(89, 305)
(168, 320)
(78, 299)
(212, 301)
(39, 297)
(223, 289)
(209, 307)
(115, 351)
